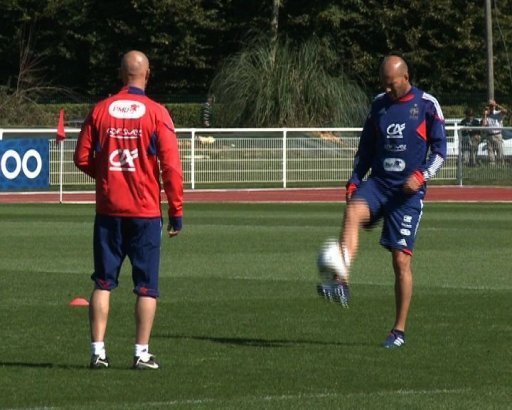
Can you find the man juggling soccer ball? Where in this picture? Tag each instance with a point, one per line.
(402, 146)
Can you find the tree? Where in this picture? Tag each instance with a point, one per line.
(444, 40)
(274, 23)
(18, 100)
(80, 42)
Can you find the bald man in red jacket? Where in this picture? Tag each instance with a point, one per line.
(126, 143)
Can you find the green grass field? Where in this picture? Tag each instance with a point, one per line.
(239, 325)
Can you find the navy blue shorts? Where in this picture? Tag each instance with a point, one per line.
(400, 212)
(139, 239)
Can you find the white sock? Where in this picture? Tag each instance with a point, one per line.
(98, 349)
(142, 351)
(346, 256)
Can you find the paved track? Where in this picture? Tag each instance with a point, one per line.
(434, 194)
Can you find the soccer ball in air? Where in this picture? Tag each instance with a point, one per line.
(330, 263)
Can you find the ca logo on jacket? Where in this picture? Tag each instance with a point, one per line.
(123, 160)
(395, 131)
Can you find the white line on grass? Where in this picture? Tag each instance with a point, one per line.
(371, 283)
(262, 399)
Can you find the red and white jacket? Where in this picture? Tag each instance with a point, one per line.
(126, 143)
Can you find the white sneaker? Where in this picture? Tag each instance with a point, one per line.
(148, 362)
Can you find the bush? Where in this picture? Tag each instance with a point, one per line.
(47, 115)
(184, 115)
(282, 85)
(453, 111)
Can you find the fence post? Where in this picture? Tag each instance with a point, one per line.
(61, 166)
(193, 159)
(459, 155)
(284, 158)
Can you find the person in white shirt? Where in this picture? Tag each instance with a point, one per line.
(493, 118)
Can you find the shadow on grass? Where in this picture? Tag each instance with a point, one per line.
(43, 365)
(258, 342)
(61, 366)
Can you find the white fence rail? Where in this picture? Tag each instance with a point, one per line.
(253, 157)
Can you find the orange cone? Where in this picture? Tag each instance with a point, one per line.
(79, 302)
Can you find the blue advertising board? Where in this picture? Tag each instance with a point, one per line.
(24, 164)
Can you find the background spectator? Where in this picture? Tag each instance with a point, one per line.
(493, 117)
(207, 112)
(470, 138)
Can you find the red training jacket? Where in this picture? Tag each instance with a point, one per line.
(125, 143)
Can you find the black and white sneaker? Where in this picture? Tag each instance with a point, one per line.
(337, 292)
(395, 339)
(149, 363)
(99, 363)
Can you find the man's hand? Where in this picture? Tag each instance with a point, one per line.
(414, 182)
(350, 189)
(174, 226)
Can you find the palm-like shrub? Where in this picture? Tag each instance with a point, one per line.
(281, 85)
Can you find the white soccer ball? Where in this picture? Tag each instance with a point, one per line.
(331, 266)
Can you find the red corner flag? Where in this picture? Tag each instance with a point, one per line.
(61, 134)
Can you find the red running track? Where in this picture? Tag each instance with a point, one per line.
(434, 194)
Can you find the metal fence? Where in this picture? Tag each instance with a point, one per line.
(274, 157)
(267, 157)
